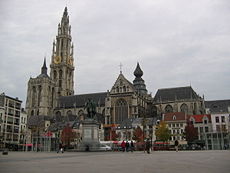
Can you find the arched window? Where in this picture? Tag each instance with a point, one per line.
(69, 112)
(39, 94)
(154, 111)
(33, 96)
(168, 109)
(55, 74)
(184, 108)
(80, 113)
(58, 113)
(60, 74)
(117, 90)
(124, 88)
(32, 112)
(121, 111)
(37, 112)
(60, 81)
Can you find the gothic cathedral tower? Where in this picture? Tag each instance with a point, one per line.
(62, 68)
(43, 91)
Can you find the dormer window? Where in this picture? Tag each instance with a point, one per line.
(192, 120)
(174, 117)
(205, 120)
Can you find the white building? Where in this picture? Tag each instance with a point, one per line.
(10, 114)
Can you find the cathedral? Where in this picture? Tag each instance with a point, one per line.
(52, 96)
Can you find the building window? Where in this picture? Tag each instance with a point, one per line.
(206, 129)
(201, 130)
(205, 121)
(121, 111)
(222, 119)
(168, 109)
(174, 117)
(184, 108)
(217, 120)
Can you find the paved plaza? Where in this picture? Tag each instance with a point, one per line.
(116, 162)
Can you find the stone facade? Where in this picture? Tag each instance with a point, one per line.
(44, 91)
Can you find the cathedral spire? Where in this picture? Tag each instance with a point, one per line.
(44, 68)
(62, 66)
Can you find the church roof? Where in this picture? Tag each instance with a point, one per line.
(199, 118)
(80, 100)
(218, 106)
(174, 116)
(173, 94)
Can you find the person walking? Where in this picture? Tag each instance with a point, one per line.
(60, 148)
(123, 146)
(127, 146)
(176, 145)
(148, 146)
(132, 146)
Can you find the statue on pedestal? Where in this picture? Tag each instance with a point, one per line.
(90, 106)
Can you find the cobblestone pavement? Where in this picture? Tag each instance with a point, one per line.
(116, 162)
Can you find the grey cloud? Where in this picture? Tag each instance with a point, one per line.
(176, 42)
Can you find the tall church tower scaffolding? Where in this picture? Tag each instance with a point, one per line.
(61, 67)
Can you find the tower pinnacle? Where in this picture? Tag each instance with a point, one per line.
(44, 68)
(138, 82)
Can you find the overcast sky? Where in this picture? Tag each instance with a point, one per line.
(176, 42)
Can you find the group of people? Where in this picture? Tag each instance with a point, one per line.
(126, 146)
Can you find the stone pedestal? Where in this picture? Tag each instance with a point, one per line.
(90, 136)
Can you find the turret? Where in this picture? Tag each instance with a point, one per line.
(138, 82)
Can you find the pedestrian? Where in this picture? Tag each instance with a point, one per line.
(148, 146)
(60, 148)
(127, 146)
(132, 146)
(176, 145)
(123, 146)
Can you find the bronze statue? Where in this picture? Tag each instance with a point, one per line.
(90, 106)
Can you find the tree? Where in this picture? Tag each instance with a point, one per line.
(67, 135)
(191, 132)
(138, 134)
(162, 132)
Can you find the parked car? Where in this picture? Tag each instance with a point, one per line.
(105, 148)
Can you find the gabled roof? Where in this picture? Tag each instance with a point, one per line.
(174, 116)
(199, 118)
(173, 94)
(80, 100)
(218, 106)
(121, 81)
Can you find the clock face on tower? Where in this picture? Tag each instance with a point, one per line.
(57, 59)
